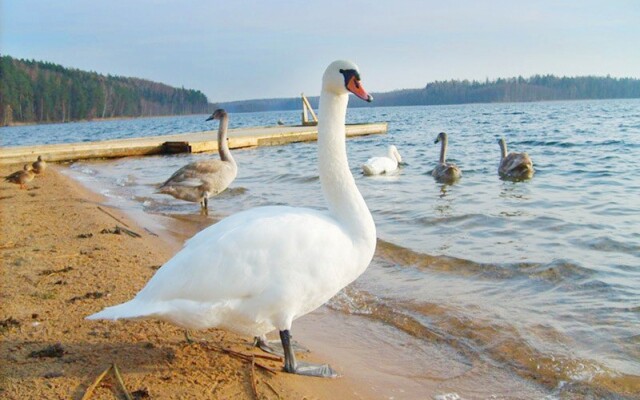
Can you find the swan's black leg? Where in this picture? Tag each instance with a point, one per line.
(302, 368)
(289, 357)
(206, 206)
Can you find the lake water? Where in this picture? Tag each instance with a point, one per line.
(538, 278)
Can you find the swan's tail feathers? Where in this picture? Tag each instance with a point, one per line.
(369, 169)
(162, 189)
(523, 171)
(130, 310)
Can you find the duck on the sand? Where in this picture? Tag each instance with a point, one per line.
(22, 177)
(39, 166)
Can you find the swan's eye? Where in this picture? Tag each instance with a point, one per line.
(349, 74)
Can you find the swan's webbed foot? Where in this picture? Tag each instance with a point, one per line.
(275, 346)
(188, 338)
(204, 207)
(263, 344)
(301, 368)
(317, 370)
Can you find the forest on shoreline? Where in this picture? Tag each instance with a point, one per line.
(502, 90)
(43, 92)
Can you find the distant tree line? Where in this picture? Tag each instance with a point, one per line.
(535, 88)
(35, 91)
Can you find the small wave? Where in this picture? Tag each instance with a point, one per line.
(126, 181)
(84, 169)
(475, 339)
(561, 144)
(234, 191)
(558, 271)
(447, 396)
(609, 245)
(291, 177)
(541, 143)
(554, 272)
(454, 219)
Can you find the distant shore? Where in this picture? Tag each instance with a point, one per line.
(14, 124)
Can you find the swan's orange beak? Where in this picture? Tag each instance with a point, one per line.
(354, 86)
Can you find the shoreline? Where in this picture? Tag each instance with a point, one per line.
(122, 118)
(375, 360)
(58, 267)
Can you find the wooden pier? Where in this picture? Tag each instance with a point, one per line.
(195, 142)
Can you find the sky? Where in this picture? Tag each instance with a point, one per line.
(237, 49)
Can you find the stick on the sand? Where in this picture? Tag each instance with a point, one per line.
(95, 383)
(116, 372)
(128, 232)
(112, 216)
(244, 357)
(253, 378)
(273, 389)
(9, 245)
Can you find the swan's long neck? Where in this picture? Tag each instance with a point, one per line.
(503, 149)
(338, 185)
(443, 150)
(394, 155)
(223, 146)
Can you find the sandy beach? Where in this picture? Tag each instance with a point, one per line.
(63, 258)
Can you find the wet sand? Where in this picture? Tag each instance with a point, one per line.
(57, 267)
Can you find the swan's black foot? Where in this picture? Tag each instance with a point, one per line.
(204, 206)
(275, 346)
(188, 338)
(317, 370)
(265, 345)
(301, 368)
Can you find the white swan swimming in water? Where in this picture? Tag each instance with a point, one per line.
(445, 172)
(383, 165)
(260, 269)
(514, 166)
(200, 180)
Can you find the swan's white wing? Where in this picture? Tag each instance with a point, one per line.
(515, 161)
(193, 172)
(379, 165)
(249, 252)
(191, 181)
(255, 270)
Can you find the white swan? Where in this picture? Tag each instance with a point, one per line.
(200, 180)
(514, 166)
(445, 172)
(383, 165)
(260, 269)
